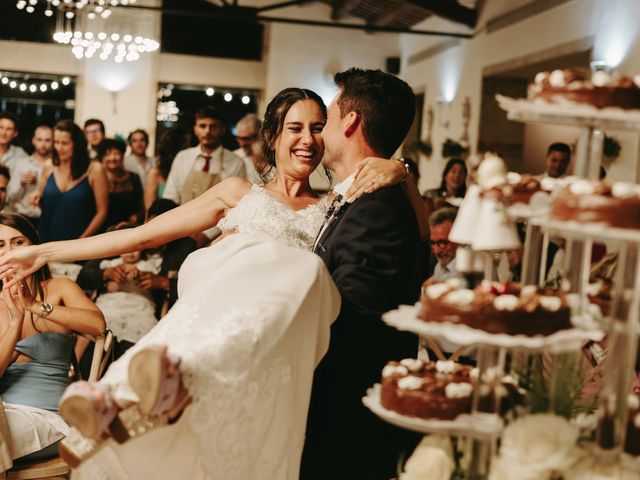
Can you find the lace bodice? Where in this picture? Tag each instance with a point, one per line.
(261, 215)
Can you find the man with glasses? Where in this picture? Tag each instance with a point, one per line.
(440, 223)
(94, 132)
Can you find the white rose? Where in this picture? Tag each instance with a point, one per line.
(430, 460)
(536, 447)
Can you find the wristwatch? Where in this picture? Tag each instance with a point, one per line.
(45, 309)
(405, 164)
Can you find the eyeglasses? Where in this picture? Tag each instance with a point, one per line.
(439, 243)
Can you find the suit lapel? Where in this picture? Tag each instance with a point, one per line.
(330, 227)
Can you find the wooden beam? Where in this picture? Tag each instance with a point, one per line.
(283, 4)
(389, 13)
(342, 7)
(449, 9)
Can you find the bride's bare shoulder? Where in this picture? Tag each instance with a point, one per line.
(234, 188)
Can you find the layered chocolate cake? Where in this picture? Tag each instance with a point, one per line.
(585, 201)
(600, 90)
(494, 307)
(444, 389)
(431, 390)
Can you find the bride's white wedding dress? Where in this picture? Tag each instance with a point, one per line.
(251, 323)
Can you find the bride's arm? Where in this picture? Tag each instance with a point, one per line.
(193, 217)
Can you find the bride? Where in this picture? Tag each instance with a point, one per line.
(253, 316)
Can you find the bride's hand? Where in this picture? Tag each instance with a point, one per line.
(374, 173)
(20, 263)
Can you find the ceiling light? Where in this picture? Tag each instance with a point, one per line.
(228, 97)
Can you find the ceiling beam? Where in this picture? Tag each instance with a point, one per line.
(289, 3)
(389, 13)
(449, 9)
(342, 7)
(250, 17)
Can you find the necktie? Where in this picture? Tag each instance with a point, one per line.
(205, 167)
(332, 208)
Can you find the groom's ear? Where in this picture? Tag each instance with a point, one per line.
(350, 123)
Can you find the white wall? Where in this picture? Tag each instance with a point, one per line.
(612, 23)
(307, 56)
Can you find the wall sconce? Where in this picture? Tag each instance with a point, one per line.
(443, 109)
(466, 118)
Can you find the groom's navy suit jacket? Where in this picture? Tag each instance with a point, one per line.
(373, 252)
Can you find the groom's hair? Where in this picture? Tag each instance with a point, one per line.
(385, 104)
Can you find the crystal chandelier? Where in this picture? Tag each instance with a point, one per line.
(125, 35)
(93, 7)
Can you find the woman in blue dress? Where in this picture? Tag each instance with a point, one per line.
(73, 191)
(38, 316)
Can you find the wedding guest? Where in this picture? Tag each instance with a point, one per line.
(171, 142)
(452, 185)
(27, 173)
(126, 203)
(247, 130)
(557, 162)
(137, 160)
(9, 153)
(195, 170)
(94, 132)
(440, 223)
(37, 322)
(5, 178)
(164, 285)
(73, 192)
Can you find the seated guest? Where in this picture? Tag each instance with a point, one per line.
(37, 320)
(452, 185)
(440, 223)
(5, 178)
(127, 305)
(9, 153)
(73, 192)
(171, 142)
(96, 275)
(27, 172)
(125, 188)
(137, 160)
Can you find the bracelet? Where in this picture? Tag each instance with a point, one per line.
(407, 168)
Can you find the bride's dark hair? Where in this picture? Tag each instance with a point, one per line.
(274, 121)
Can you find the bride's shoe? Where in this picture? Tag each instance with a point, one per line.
(89, 407)
(155, 377)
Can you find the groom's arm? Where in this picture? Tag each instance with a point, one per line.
(368, 250)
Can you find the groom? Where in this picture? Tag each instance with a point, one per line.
(372, 249)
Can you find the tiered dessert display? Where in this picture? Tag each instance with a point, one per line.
(516, 328)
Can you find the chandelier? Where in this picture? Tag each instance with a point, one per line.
(123, 35)
(94, 7)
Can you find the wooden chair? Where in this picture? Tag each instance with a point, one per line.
(55, 468)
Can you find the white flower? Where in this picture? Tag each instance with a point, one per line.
(431, 460)
(536, 447)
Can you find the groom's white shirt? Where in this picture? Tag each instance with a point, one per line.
(340, 189)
